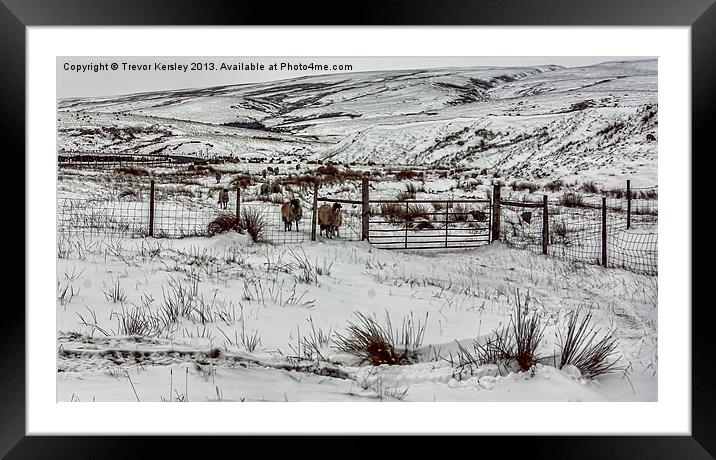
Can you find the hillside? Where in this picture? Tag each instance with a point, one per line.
(532, 122)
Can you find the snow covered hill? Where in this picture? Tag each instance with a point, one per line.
(532, 122)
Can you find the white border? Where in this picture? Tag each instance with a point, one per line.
(670, 415)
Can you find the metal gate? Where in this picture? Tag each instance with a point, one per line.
(429, 224)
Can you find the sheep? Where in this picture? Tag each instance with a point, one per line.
(265, 189)
(650, 137)
(337, 222)
(328, 216)
(224, 198)
(217, 176)
(291, 212)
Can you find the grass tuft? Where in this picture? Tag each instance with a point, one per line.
(581, 348)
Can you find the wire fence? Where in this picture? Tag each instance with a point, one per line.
(588, 228)
(616, 230)
(180, 219)
(104, 160)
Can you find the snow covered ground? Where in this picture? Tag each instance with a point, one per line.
(240, 289)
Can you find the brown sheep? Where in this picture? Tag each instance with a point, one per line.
(337, 222)
(265, 189)
(224, 198)
(217, 176)
(291, 212)
(327, 217)
(650, 137)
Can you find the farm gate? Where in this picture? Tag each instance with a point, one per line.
(412, 223)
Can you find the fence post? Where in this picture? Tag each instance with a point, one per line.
(604, 231)
(315, 211)
(151, 208)
(407, 211)
(447, 220)
(496, 212)
(365, 212)
(545, 225)
(628, 204)
(238, 204)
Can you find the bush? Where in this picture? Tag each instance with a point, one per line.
(612, 127)
(518, 186)
(615, 192)
(375, 344)
(406, 174)
(328, 170)
(392, 212)
(590, 187)
(128, 194)
(242, 180)
(221, 224)
(560, 231)
(518, 342)
(554, 186)
(650, 194)
(459, 213)
(571, 200)
(527, 331)
(581, 349)
(253, 223)
(412, 189)
(132, 171)
(399, 213)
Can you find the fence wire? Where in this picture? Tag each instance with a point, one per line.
(126, 218)
(575, 230)
(179, 219)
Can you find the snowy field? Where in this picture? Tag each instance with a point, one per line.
(257, 303)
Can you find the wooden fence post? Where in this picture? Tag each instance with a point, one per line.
(238, 204)
(447, 220)
(604, 231)
(315, 211)
(545, 224)
(496, 212)
(407, 211)
(151, 208)
(628, 203)
(365, 211)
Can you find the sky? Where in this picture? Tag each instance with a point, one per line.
(94, 76)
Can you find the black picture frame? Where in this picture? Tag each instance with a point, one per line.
(700, 15)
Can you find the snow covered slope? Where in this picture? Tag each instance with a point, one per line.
(533, 122)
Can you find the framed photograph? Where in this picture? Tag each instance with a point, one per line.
(266, 228)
